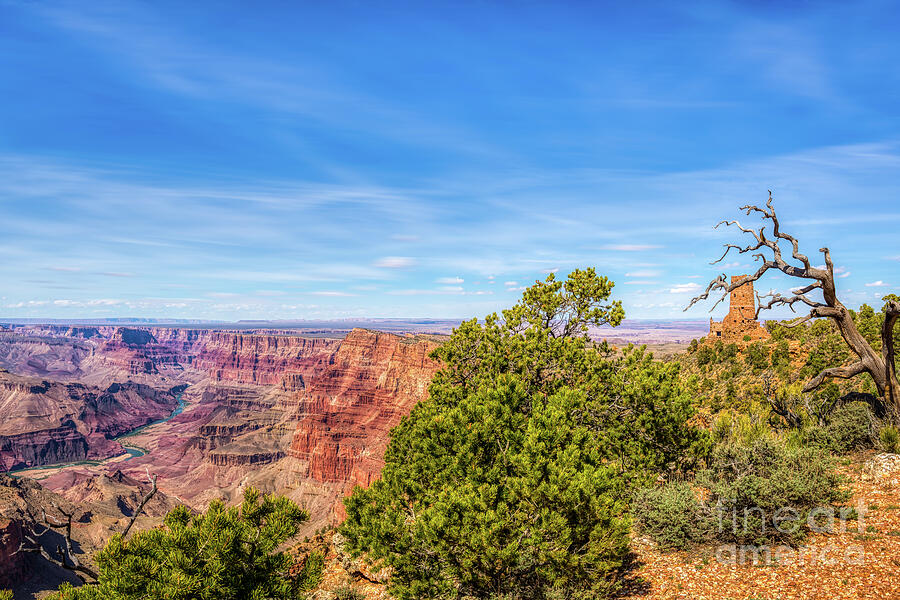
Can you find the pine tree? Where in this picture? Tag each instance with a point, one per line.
(226, 553)
(511, 479)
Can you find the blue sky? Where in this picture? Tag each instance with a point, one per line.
(344, 159)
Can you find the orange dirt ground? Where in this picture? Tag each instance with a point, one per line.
(872, 571)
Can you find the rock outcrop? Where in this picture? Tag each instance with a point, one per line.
(12, 562)
(136, 351)
(100, 505)
(118, 493)
(54, 357)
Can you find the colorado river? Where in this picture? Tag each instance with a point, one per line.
(131, 451)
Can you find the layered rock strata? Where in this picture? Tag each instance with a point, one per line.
(309, 417)
(47, 422)
(261, 359)
(374, 380)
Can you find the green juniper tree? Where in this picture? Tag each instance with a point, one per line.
(511, 480)
(222, 554)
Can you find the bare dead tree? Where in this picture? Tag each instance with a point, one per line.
(143, 503)
(65, 556)
(880, 365)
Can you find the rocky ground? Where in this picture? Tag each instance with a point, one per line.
(101, 506)
(858, 562)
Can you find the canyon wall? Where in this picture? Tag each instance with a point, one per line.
(45, 422)
(350, 407)
(309, 417)
(261, 359)
(304, 417)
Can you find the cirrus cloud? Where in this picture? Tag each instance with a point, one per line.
(395, 262)
(683, 288)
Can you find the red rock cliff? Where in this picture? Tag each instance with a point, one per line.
(260, 359)
(373, 381)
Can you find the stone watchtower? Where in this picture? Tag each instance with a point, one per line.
(743, 302)
(740, 323)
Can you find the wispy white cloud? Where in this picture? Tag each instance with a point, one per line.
(644, 273)
(218, 237)
(395, 262)
(443, 291)
(65, 269)
(878, 283)
(683, 288)
(629, 247)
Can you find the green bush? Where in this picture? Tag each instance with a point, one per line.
(705, 355)
(672, 515)
(814, 437)
(494, 489)
(311, 573)
(6, 595)
(756, 356)
(739, 427)
(890, 439)
(751, 484)
(781, 356)
(758, 491)
(226, 552)
(347, 592)
(851, 427)
(512, 477)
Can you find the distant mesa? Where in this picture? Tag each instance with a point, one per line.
(740, 325)
(133, 337)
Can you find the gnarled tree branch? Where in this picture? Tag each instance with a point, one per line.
(144, 501)
(879, 365)
(840, 372)
(65, 557)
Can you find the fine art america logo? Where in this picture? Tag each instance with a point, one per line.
(785, 522)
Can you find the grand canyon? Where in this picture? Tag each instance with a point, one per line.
(209, 412)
